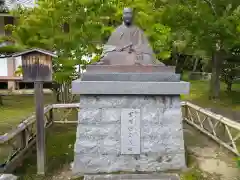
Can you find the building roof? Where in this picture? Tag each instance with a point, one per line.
(35, 50)
(11, 4)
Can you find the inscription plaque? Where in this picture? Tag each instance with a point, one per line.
(130, 131)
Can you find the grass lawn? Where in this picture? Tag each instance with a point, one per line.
(17, 108)
(228, 100)
(59, 138)
(59, 154)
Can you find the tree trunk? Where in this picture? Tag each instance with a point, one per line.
(217, 59)
(79, 71)
(229, 86)
(64, 93)
(56, 95)
(176, 57)
(55, 88)
(229, 83)
(195, 65)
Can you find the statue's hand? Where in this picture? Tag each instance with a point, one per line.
(129, 46)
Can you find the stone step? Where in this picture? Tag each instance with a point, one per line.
(133, 176)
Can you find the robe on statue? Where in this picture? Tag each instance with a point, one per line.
(118, 50)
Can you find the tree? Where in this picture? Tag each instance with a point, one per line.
(213, 28)
(78, 28)
(45, 27)
(19, 71)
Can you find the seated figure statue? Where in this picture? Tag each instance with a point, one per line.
(128, 45)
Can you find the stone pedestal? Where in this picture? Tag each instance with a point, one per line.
(130, 122)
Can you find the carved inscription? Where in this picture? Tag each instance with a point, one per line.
(130, 131)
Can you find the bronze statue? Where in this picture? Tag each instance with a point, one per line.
(127, 45)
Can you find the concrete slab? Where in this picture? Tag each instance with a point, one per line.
(133, 176)
(143, 77)
(130, 87)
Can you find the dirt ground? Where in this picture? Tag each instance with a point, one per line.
(226, 112)
(234, 115)
(210, 157)
(214, 161)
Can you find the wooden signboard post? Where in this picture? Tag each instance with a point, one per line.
(37, 68)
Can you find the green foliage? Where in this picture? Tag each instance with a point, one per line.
(207, 29)
(19, 71)
(43, 27)
(193, 174)
(9, 49)
(211, 24)
(6, 38)
(78, 28)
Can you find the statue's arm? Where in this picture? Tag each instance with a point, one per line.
(113, 41)
(142, 45)
(108, 48)
(115, 36)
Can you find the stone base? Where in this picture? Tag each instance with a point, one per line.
(98, 143)
(133, 176)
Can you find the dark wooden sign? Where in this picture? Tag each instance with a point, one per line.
(36, 65)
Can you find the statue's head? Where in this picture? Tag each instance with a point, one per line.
(127, 16)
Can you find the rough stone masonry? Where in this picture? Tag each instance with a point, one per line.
(98, 144)
(107, 142)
